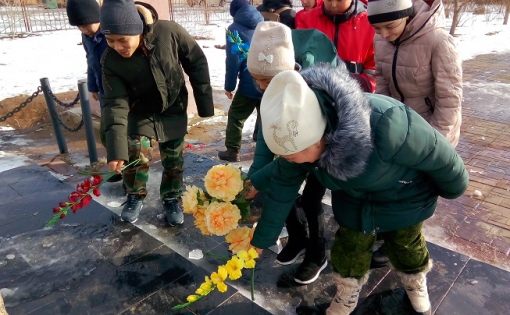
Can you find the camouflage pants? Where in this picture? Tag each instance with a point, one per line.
(136, 176)
(352, 251)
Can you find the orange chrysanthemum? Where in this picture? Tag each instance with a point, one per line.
(191, 198)
(199, 216)
(223, 182)
(239, 239)
(222, 217)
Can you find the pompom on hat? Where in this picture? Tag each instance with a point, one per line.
(380, 11)
(272, 50)
(291, 116)
(120, 17)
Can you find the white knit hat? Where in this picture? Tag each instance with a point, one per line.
(271, 50)
(388, 10)
(292, 119)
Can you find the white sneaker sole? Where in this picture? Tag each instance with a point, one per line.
(315, 277)
(284, 263)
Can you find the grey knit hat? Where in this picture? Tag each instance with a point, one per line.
(380, 11)
(120, 17)
(82, 12)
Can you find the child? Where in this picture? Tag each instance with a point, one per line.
(85, 15)
(417, 62)
(385, 165)
(346, 24)
(276, 48)
(146, 100)
(247, 97)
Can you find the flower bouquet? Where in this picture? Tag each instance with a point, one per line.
(81, 197)
(217, 211)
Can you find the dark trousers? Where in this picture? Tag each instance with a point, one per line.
(240, 109)
(308, 212)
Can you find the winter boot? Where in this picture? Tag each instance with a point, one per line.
(132, 208)
(230, 155)
(347, 293)
(416, 288)
(173, 212)
(314, 262)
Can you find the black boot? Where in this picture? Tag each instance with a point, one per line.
(230, 155)
(297, 240)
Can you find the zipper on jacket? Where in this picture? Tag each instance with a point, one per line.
(337, 28)
(394, 72)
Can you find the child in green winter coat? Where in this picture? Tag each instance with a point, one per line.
(385, 165)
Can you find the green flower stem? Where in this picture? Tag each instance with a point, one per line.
(252, 286)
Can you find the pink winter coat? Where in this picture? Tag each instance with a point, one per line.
(423, 70)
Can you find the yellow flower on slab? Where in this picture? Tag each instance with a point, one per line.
(222, 287)
(199, 216)
(234, 267)
(191, 199)
(192, 298)
(248, 257)
(205, 288)
(223, 182)
(239, 239)
(222, 217)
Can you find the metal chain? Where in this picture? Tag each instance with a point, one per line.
(78, 127)
(64, 104)
(21, 106)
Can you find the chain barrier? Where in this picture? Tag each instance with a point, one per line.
(78, 127)
(22, 105)
(64, 104)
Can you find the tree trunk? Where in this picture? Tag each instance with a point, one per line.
(455, 18)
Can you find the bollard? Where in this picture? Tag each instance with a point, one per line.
(52, 109)
(87, 120)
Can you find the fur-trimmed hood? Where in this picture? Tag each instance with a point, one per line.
(349, 139)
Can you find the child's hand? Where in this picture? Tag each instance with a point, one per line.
(229, 95)
(116, 165)
(249, 191)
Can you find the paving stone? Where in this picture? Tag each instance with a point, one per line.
(176, 292)
(480, 289)
(238, 304)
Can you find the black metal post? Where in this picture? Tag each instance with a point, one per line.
(52, 109)
(87, 120)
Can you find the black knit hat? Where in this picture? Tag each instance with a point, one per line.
(120, 17)
(388, 10)
(82, 12)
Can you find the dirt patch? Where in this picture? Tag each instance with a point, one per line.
(34, 113)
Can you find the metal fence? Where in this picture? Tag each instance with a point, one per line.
(22, 19)
(17, 18)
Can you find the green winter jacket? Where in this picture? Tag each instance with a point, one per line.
(146, 95)
(385, 165)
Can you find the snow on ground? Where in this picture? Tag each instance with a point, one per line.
(58, 55)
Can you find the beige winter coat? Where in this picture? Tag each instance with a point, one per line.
(423, 70)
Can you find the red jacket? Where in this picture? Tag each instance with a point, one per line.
(353, 38)
(317, 3)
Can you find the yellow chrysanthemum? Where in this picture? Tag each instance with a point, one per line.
(190, 199)
(223, 182)
(200, 223)
(248, 257)
(192, 298)
(222, 217)
(239, 239)
(234, 268)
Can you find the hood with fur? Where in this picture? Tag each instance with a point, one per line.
(349, 142)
